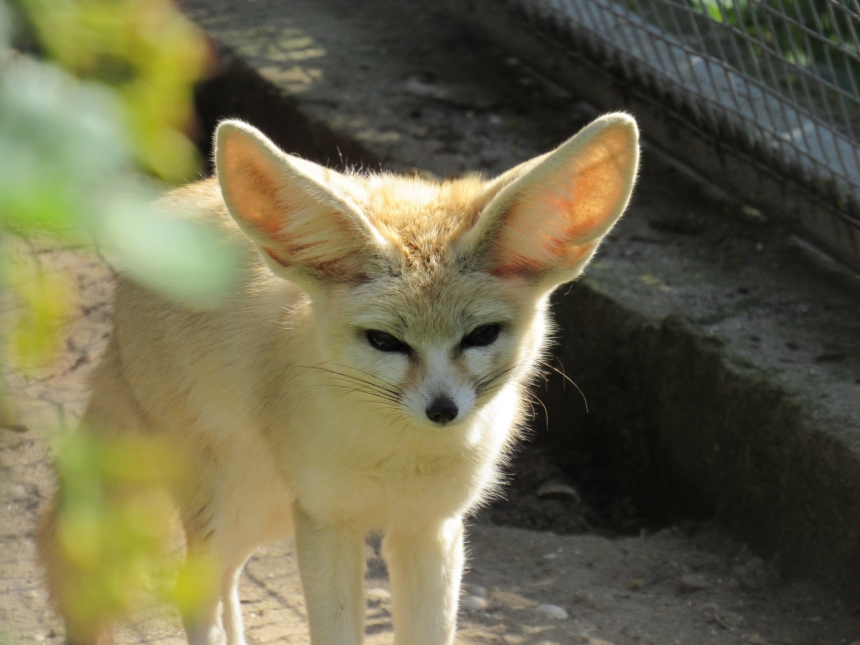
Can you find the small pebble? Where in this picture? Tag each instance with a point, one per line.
(16, 492)
(692, 582)
(754, 213)
(377, 596)
(753, 575)
(473, 603)
(477, 590)
(557, 489)
(725, 619)
(552, 611)
(755, 639)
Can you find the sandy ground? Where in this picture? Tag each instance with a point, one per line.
(678, 585)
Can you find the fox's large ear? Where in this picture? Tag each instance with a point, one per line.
(549, 214)
(301, 215)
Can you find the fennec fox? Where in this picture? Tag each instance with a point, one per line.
(367, 375)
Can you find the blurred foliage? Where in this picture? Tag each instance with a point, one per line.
(113, 530)
(820, 35)
(113, 522)
(69, 150)
(44, 304)
(88, 140)
(148, 53)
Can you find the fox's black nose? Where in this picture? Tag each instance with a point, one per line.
(442, 410)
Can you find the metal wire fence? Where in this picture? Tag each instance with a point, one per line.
(779, 78)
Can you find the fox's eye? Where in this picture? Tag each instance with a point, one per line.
(385, 342)
(481, 336)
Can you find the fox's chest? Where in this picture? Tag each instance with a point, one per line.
(375, 488)
(370, 471)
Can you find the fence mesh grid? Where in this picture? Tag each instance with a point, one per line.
(780, 76)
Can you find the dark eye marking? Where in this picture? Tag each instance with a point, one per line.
(385, 342)
(481, 336)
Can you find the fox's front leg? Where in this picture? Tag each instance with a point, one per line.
(425, 566)
(331, 566)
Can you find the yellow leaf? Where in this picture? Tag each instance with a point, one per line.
(45, 299)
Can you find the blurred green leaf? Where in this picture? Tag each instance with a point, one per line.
(113, 520)
(61, 147)
(182, 258)
(45, 299)
(149, 52)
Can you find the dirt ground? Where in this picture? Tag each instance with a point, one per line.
(545, 567)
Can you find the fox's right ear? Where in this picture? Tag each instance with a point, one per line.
(547, 216)
(299, 214)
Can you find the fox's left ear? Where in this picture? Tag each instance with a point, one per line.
(549, 214)
(303, 218)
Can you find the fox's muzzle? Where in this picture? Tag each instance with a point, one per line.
(442, 410)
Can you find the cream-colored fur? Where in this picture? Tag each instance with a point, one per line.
(296, 423)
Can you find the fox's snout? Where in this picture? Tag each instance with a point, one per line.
(442, 410)
(443, 396)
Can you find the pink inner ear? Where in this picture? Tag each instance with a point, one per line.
(601, 179)
(553, 223)
(252, 190)
(292, 227)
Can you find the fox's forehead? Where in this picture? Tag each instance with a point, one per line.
(393, 201)
(421, 218)
(424, 295)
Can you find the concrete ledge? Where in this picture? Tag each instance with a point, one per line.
(698, 434)
(720, 357)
